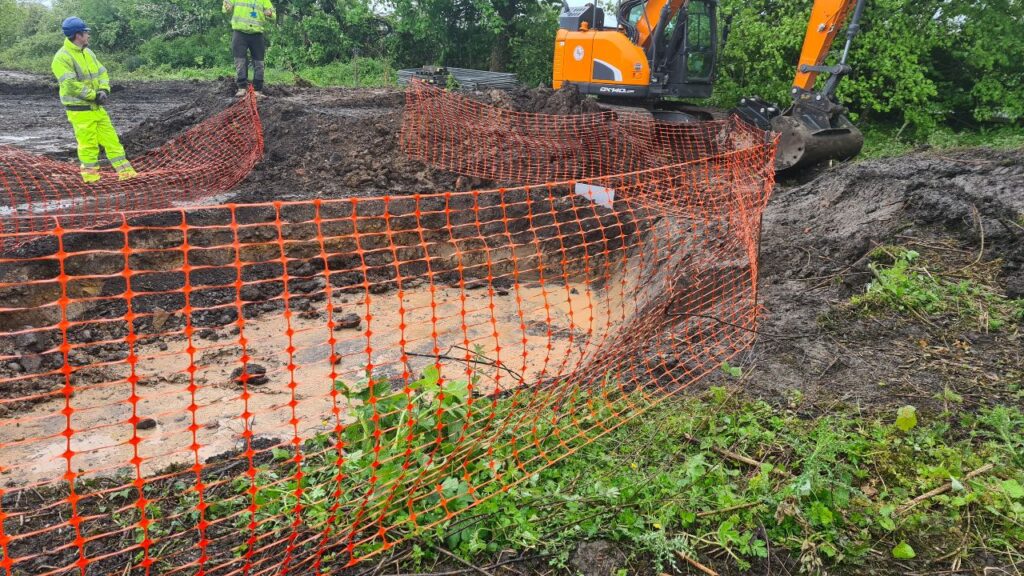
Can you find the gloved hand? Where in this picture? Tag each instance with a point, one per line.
(101, 97)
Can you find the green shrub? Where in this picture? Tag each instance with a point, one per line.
(210, 49)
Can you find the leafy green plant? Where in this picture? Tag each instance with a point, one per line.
(829, 491)
(904, 284)
(729, 369)
(411, 457)
(906, 418)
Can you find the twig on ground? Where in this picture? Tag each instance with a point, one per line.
(468, 570)
(476, 569)
(940, 490)
(707, 513)
(697, 565)
(734, 456)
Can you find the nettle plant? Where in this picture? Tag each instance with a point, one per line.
(410, 459)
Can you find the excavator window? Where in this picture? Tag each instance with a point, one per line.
(700, 55)
(635, 13)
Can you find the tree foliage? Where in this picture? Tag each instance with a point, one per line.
(918, 62)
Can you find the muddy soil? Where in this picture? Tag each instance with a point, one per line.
(961, 207)
(341, 142)
(964, 207)
(541, 100)
(32, 117)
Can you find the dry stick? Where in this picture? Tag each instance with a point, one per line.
(981, 231)
(476, 569)
(467, 570)
(734, 456)
(940, 490)
(729, 509)
(697, 565)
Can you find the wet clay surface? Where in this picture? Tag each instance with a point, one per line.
(814, 256)
(32, 117)
(459, 323)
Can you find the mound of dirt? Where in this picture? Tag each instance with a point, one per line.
(336, 143)
(966, 206)
(838, 217)
(333, 143)
(326, 143)
(542, 100)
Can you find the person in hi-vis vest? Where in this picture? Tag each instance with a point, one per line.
(84, 89)
(247, 20)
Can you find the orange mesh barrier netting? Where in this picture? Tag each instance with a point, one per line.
(290, 388)
(461, 135)
(208, 159)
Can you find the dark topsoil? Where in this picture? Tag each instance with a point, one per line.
(954, 206)
(337, 142)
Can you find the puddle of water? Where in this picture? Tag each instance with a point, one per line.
(512, 328)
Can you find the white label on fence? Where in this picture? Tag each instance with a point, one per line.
(598, 194)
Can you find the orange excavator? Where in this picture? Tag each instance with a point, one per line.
(663, 50)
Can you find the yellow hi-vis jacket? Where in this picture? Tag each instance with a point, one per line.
(247, 15)
(80, 75)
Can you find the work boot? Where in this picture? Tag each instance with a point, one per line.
(260, 94)
(127, 174)
(240, 92)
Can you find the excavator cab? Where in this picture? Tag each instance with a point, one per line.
(682, 50)
(643, 57)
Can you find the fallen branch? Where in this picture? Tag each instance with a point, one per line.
(472, 567)
(697, 565)
(707, 513)
(940, 490)
(734, 456)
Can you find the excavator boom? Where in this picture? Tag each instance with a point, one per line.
(827, 18)
(814, 128)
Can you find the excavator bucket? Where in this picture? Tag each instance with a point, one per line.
(812, 131)
(802, 145)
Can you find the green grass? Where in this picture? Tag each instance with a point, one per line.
(359, 72)
(356, 73)
(885, 141)
(831, 492)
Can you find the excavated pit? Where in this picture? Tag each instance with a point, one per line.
(339, 143)
(545, 253)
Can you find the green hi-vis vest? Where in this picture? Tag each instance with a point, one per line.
(80, 75)
(248, 16)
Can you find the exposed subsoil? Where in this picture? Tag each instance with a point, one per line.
(960, 208)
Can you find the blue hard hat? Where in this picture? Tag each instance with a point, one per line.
(73, 25)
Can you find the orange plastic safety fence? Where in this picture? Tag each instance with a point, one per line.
(458, 134)
(293, 387)
(206, 160)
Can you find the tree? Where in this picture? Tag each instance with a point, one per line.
(472, 33)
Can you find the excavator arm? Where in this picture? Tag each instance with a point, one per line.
(827, 18)
(649, 15)
(815, 127)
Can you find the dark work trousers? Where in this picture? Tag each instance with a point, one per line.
(242, 42)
